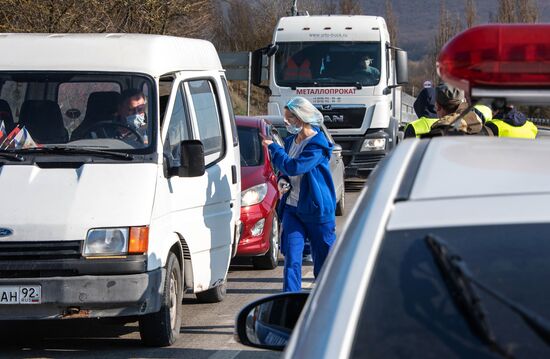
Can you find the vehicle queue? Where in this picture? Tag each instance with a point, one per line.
(444, 255)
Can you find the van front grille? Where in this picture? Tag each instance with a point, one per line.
(40, 250)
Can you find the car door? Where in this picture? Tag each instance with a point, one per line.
(200, 207)
(220, 175)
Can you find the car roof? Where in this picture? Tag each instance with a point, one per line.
(479, 166)
(274, 119)
(155, 55)
(249, 121)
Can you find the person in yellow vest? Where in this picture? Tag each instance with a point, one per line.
(483, 112)
(509, 122)
(424, 106)
(454, 115)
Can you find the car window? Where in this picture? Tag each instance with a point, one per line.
(206, 110)
(250, 146)
(179, 129)
(408, 308)
(73, 96)
(83, 109)
(231, 112)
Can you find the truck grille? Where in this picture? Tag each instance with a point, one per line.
(343, 116)
(24, 251)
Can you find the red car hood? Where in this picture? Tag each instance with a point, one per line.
(251, 176)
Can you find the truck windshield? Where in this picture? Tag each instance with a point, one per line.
(103, 111)
(327, 64)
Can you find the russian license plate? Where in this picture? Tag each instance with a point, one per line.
(20, 294)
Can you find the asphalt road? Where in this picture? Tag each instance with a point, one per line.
(206, 332)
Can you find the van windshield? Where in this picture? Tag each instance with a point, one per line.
(327, 63)
(89, 110)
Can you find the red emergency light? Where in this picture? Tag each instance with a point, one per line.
(498, 56)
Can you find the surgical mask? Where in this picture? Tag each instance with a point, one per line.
(293, 129)
(136, 120)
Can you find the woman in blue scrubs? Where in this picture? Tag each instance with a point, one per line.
(308, 205)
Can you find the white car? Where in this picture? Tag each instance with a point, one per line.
(441, 225)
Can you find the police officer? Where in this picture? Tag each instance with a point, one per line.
(450, 105)
(509, 122)
(424, 106)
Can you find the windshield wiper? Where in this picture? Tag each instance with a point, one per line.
(12, 156)
(461, 282)
(79, 151)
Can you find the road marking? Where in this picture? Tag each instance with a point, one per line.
(310, 284)
(225, 354)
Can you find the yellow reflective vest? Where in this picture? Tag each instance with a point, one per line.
(422, 125)
(528, 130)
(484, 113)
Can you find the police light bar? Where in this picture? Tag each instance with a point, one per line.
(488, 59)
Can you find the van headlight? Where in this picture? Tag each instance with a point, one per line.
(253, 195)
(106, 241)
(116, 241)
(373, 144)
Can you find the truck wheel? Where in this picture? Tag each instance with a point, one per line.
(340, 206)
(162, 328)
(271, 258)
(212, 295)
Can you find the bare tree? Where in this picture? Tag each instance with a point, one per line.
(350, 7)
(391, 22)
(449, 25)
(470, 11)
(527, 11)
(176, 17)
(506, 11)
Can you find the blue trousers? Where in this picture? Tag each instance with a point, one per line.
(321, 237)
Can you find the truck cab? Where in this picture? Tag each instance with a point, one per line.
(119, 178)
(346, 66)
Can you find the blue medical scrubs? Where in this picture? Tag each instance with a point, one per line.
(321, 237)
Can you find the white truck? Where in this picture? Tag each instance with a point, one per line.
(102, 217)
(347, 67)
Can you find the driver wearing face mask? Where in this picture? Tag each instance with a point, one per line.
(131, 110)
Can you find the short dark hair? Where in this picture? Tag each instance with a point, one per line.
(129, 93)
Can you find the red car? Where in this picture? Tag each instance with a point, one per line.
(260, 231)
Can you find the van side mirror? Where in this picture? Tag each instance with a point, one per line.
(268, 322)
(401, 67)
(191, 159)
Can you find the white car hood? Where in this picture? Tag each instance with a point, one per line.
(52, 204)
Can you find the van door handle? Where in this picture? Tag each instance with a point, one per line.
(234, 174)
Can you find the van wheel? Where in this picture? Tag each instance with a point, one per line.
(212, 295)
(162, 328)
(271, 258)
(340, 206)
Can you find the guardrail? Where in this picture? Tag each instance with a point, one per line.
(543, 122)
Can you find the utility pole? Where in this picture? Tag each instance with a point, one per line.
(294, 8)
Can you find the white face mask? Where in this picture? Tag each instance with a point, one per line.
(136, 120)
(293, 129)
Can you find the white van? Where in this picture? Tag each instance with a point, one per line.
(119, 179)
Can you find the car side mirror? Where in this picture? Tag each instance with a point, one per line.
(268, 322)
(191, 159)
